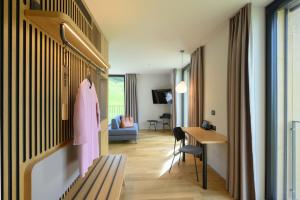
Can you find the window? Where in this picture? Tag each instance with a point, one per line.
(185, 99)
(116, 96)
(283, 95)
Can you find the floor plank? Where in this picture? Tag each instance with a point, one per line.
(147, 174)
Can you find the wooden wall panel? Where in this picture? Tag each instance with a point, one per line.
(30, 87)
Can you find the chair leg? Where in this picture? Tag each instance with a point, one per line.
(196, 168)
(179, 159)
(172, 164)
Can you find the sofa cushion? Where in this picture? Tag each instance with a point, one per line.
(115, 123)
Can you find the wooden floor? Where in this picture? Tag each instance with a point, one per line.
(147, 174)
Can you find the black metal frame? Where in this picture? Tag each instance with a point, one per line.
(182, 143)
(271, 96)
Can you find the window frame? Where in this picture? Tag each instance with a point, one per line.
(186, 68)
(272, 95)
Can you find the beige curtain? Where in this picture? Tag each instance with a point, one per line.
(196, 90)
(131, 107)
(174, 110)
(240, 180)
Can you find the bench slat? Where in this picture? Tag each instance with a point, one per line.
(116, 188)
(101, 178)
(81, 181)
(102, 194)
(89, 183)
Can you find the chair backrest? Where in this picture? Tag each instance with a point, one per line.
(165, 116)
(178, 133)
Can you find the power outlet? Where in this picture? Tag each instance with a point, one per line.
(213, 112)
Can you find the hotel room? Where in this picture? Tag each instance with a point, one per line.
(149, 99)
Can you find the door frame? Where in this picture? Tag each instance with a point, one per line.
(271, 97)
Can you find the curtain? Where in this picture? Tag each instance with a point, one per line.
(240, 180)
(196, 87)
(174, 103)
(131, 107)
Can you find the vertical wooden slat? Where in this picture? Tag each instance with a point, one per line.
(70, 60)
(38, 93)
(46, 92)
(6, 33)
(33, 91)
(58, 94)
(43, 68)
(50, 93)
(54, 95)
(13, 109)
(30, 91)
(1, 99)
(27, 67)
(21, 105)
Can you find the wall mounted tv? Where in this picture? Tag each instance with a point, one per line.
(163, 96)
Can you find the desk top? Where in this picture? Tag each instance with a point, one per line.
(205, 136)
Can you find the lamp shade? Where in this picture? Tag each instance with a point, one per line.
(181, 87)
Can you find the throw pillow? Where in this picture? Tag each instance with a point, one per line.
(114, 123)
(126, 122)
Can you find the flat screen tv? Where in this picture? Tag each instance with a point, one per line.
(162, 96)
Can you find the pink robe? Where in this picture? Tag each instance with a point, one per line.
(86, 122)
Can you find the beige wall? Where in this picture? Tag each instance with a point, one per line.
(215, 93)
(146, 109)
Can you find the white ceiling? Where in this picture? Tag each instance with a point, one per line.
(145, 36)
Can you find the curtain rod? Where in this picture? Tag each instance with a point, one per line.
(67, 43)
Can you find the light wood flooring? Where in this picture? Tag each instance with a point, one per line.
(147, 174)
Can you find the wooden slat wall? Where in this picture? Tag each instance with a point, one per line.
(30, 90)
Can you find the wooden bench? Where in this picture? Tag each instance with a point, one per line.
(104, 180)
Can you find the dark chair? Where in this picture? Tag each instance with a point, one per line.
(165, 119)
(179, 135)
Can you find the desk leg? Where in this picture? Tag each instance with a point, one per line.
(183, 154)
(204, 167)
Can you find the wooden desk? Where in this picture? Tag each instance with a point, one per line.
(204, 137)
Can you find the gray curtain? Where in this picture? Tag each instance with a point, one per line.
(131, 107)
(196, 90)
(174, 110)
(240, 180)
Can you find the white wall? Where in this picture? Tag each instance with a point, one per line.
(215, 94)
(146, 109)
(257, 101)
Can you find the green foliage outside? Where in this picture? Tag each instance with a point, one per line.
(115, 97)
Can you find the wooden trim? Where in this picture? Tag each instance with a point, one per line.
(51, 22)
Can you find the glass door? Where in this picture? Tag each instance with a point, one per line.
(185, 98)
(288, 102)
(293, 101)
(283, 100)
